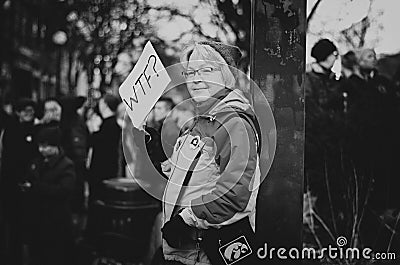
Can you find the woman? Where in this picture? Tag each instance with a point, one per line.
(45, 191)
(214, 171)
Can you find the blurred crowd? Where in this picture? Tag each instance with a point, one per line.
(55, 157)
(352, 141)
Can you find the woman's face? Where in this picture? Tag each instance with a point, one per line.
(203, 79)
(52, 111)
(27, 114)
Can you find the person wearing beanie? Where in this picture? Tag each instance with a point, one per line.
(323, 49)
(216, 160)
(45, 191)
(324, 125)
(322, 89)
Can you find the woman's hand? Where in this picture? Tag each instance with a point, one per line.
(166, 168)
(94, 123)
(176, 232)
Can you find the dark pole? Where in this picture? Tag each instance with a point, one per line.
(252, 46)
(277, 32)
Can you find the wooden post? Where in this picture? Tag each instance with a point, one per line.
(277, 67)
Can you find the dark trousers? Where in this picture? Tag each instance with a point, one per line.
(13, 238)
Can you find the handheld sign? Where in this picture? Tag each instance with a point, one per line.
(144, 85)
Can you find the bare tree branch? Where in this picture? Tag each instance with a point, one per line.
(313, 10)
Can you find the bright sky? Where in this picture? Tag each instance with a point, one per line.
(171, 29)
(332, 16)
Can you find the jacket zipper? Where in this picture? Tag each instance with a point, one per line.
(198, 251)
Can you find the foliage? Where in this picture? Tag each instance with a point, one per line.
(353, 36)
(101, 29)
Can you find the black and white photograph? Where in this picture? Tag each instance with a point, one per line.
(352, 103)
(199, 132)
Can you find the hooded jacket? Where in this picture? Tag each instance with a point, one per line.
(220, 153)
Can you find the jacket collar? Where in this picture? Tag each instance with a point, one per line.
(319, 69)
(203, 108)
(233, 101)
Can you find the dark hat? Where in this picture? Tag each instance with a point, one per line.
(111, 101)
(22, 103)
(49, 135)
(322, 49)
(231, 54)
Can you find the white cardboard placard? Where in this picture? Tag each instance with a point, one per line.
(144, 85)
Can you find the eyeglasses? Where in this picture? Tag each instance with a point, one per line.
(205, 71)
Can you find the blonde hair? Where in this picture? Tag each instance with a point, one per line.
(208, 54)
(52, 112)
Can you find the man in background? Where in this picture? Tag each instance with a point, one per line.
(324, 125)
(163, 123)
(104, 139)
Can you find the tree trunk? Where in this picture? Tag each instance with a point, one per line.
(277, 66)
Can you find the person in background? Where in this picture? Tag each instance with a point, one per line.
(75, 144)
(162, 108)
(52, 112)
(105, 141)
(375, 114)
(5, 117)
(349, 65)
(324, 137)
(164, 125)
(321, 86)
(7, 107)
(45, 193)
(19, 148)
(324, 101)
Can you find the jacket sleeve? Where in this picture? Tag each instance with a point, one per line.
(58, 190)
(237, 156)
